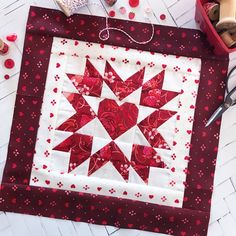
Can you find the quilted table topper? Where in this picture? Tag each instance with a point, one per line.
(113, 132)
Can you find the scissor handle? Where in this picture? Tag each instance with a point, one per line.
(228, 100)
(228, 77)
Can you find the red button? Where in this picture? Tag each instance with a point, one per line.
(133, 3)
(6, 77)
(9, 63)
(112, 13)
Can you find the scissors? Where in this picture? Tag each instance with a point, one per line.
(228, 101)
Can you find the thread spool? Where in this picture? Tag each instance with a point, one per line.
(4, 48)
(233, 36)
(212, 10)
(110, 2)
(228, 40)
(227, 15)
(70, 7)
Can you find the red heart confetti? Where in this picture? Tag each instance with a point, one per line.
(12, 37)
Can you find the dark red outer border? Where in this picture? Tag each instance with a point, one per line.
(16, 194)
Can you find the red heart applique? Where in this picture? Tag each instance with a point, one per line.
(117, 119)
(18, 140)
(31, 128)
(13, 166)
(24, 88)
(47, 182)
(58, 65)
(32, 14)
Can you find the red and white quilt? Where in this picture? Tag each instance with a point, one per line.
(114, 133)
(114, 125)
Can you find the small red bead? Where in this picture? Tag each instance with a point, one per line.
(122, 10)
(6, 77)
(162, 16)
(112, 13)
(133, 3)
(9, 63)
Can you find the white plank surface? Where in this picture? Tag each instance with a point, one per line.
(13, 16)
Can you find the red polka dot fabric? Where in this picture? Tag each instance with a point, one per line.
(18, 194)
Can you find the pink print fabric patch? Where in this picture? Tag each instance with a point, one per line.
(114, 133)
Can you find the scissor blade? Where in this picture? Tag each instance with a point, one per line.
(219, 111)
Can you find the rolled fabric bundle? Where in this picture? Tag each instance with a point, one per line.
(212, 10)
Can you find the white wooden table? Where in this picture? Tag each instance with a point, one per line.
(13, 16)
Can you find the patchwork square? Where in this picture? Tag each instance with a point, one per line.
(113, 132)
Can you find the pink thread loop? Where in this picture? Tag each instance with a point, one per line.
(107, 36)
(107, 29)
